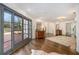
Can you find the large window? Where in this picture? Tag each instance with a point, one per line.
(17, 29)
(25, 27)
(7, 31)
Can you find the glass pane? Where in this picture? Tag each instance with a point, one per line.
(26, 31)
(17, 29)
(7, 31)
(30, 23)
(30, 32)
(30, 28)
(25, 36)
(26, 22)
(29, 35)
(20, 24)
(25, 28)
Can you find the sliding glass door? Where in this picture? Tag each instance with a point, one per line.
(17, 29)
(7, 31)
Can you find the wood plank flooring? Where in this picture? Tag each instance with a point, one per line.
(45, 45)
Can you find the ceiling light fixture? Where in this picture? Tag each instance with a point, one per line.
(61, 17)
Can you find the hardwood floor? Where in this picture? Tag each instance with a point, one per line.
(45, 45)
(50, 46)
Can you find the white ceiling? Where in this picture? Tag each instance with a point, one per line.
(47, 11)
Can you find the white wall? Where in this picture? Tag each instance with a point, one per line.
(77, 29)
(33, 28)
